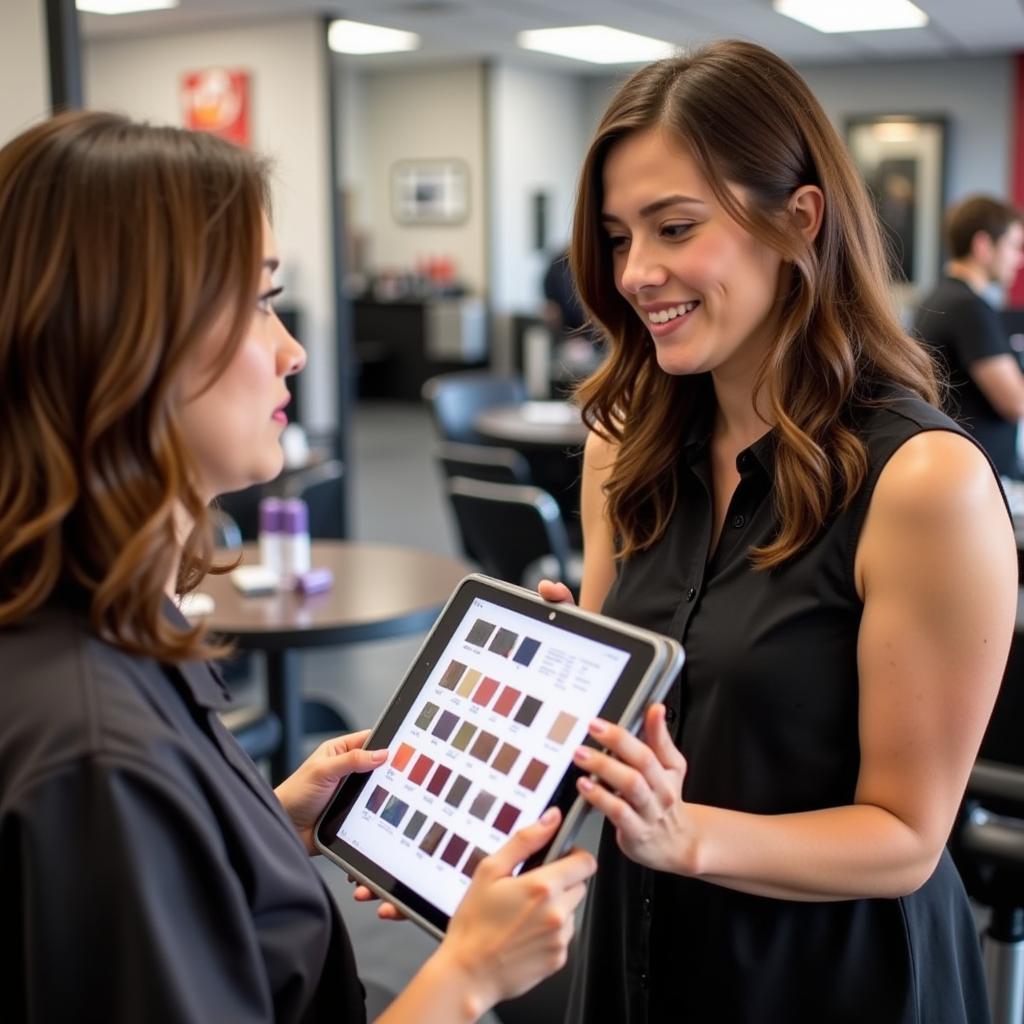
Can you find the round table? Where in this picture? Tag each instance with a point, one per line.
(533, 425)
(379, 591)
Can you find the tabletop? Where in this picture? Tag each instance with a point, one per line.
(379, 591)
(542, 424)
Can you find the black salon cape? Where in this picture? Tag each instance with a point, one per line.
(766, 714)
(147, 871)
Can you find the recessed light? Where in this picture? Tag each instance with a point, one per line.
(358, 37)
(598, 44)
(123, 6)
(853, 15)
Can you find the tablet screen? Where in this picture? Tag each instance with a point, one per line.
(480, 749)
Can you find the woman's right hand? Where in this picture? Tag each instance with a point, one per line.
(512, 931)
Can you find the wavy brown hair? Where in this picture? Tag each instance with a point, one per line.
(749, 120)
(123, 246)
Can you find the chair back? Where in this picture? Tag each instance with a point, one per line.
(507, 528)
(456, 399)
(483, 462)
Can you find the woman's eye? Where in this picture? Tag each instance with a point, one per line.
(265, 303)
(617, 241)
(676, 230)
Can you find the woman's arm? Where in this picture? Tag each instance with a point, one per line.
(598, 547)
(936, 569)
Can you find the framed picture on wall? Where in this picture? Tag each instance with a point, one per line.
(903, 161)
(430, 191)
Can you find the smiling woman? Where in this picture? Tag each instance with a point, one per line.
(768, 481)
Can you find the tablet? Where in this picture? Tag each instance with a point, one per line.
(480, 737)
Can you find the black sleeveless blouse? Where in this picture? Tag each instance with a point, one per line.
(766, 715)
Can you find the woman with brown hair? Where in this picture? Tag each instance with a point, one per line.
(769, 481)
(148, 872)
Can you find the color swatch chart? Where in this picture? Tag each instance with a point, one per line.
(482, 749)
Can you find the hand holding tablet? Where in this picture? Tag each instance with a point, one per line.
(480, 738)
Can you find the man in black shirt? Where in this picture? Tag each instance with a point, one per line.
(985, 240)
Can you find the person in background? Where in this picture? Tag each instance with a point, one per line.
(563, 312)
(148, 871)
(769, 481)
(576, 351)
(986, 243)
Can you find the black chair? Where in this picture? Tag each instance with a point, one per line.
(490, 463)
(514, 532)
(456, 399)
(987, 843)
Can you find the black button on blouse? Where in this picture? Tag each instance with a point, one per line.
(766, 716)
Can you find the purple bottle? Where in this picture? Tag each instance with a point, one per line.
(270, 538)
(294, 540)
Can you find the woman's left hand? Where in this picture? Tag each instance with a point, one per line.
(304, 794)
(639, 789)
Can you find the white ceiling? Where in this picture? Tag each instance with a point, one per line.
(463, 29)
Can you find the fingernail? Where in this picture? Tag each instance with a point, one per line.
(597, 727)
(378, 756)
(585, 784)
(582, 754)
(548, 816)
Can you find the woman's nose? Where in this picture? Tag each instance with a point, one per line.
(641, 269)
(291, 356)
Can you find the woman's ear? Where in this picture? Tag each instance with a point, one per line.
(807, 208)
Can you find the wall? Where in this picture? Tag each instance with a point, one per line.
(537, 133)
(975, 95)
(287, 59)
(24, 68)
(426, 114)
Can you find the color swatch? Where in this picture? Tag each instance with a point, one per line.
(480, 633)
(506, 701)
(445, 724)
(485, 691)
(503, 642)
(527, 649)
(401, 758)
(535, 771)
(454, 850)
(420, 768)
(438, 779)
(505, 758)
(460, 787)
(426, 716)
(452, 674)
(506, 818)
(528, 711)
(468, 682)
(559, 731)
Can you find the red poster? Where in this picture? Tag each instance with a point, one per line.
(217, 100)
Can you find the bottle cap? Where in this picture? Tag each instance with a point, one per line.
(270, 515)
(314, 581)
(294, 516)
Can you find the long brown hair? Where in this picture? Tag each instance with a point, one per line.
(123, 246)
(748, 120)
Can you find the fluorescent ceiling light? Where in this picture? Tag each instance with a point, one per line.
(123, 6)
(597, 44)
(853, 15)
(357, 37)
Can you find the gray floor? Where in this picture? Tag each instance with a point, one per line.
(397, 498)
